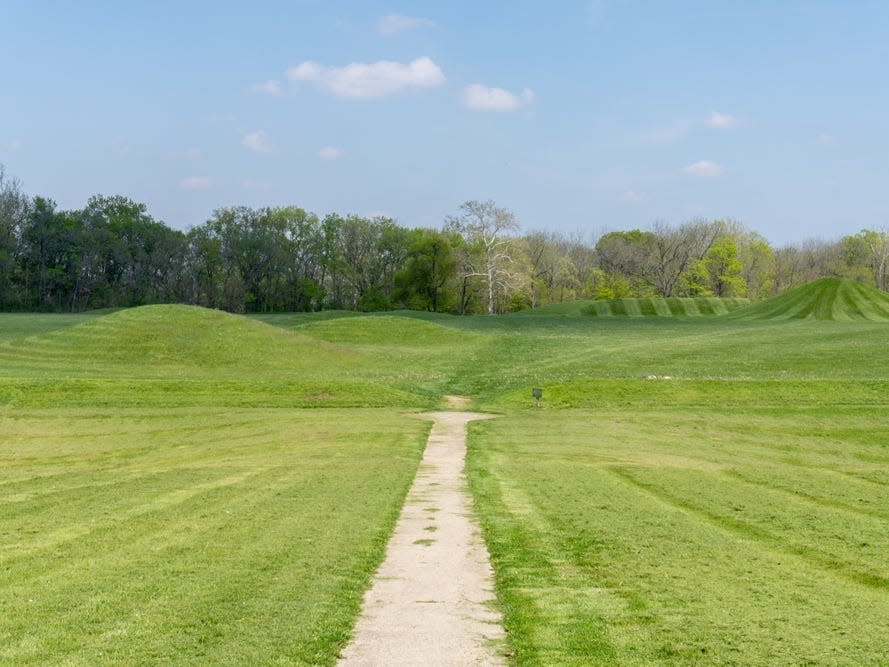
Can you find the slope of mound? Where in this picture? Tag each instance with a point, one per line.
(564, 309)
(184, 356)
(23, 325)
(837, 299)
(165, 340)
(297, 320)
(389, 330)
(656, 306)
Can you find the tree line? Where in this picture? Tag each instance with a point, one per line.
(112, 253)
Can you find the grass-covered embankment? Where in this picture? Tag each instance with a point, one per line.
(159, 356)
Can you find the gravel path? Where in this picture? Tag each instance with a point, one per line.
(431, 599)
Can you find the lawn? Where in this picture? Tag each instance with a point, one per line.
(731, 510)
(193, 535)
(170, 492)
(713, 535)
(181, 485)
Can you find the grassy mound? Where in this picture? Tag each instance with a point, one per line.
(656, 306)
(166, 340)
(22, 325)
(185, 355)
(836, 299)
(564, 309)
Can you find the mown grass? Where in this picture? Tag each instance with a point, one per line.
(193, 536)
(662, 307)
(182, 355)
(730, 510)
(20, 325)
(824, 299)
(163, 502)
(716, 535)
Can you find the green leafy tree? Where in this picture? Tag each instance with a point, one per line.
(430, 266)
(758, 261)
(52, 252)
(128, 257)
(724, 269)
(372, 251)
(866, 256)
(628, 260)
(302, 279)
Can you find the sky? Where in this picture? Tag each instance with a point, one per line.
(580, 116)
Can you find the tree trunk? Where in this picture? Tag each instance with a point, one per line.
(490, 290)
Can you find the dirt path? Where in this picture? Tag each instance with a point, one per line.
(430, 603)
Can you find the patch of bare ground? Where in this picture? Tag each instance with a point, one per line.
(457, 402)
(431, 602)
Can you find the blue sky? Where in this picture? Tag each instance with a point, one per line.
(582, 117)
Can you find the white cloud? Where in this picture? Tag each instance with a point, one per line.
(330, 153)
(196, 183)
(825, 139)
(721, 121)
(270, 87)
(393, 23)
(633, 197)
(258, 142)
(16, 145)
(370, 80)
(481, 98)
(704, 169)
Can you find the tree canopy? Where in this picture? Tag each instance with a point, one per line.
(113, 253)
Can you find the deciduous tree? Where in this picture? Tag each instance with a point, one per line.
(488, 231)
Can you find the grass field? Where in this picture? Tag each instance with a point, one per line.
(181, 485)
(162, 502)
(713, 535)
(193, 536)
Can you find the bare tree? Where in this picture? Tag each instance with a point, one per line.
(676, 248)
(878, 244)
(546, 264)
(14, 208)
(488, 229)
